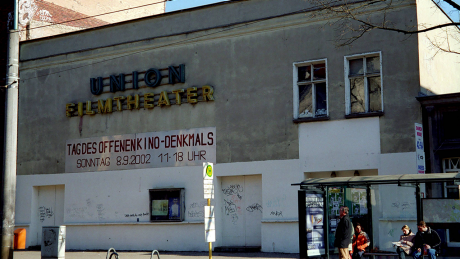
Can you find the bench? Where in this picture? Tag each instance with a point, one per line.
(373, 255)
(386, 254)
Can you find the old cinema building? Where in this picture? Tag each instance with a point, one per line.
(116, 122)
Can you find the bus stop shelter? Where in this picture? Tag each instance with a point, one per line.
(313, 203)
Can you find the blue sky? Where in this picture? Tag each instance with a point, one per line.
(452, 12)
(184, 4)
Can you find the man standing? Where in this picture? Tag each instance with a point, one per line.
(426, 241)
(343, 234)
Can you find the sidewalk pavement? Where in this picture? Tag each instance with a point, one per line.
(174, 255)
(163, 255)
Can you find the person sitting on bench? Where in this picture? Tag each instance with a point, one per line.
(406, 241)
(426, 242)
(360, 242)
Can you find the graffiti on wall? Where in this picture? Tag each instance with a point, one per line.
(45, 213)
(234, 189)
(234, 196)
(28, 9)
(276, 202)
(196, 209)
(276, 213)
(254, 207)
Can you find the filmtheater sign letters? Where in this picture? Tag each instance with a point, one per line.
(151, 78)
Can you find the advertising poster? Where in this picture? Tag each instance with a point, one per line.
(359, 200)
(174, 209)
(314, 218)
(336, 200)
(159, 207)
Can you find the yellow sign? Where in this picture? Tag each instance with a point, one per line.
(209, 170)
(208, 182)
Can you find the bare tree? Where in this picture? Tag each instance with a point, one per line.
(355, 18)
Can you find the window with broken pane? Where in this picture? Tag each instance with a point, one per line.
(365, 84)
(311, 83)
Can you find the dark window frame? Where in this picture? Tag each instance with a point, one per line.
(365, 76)
(165, 200)
(314, 82)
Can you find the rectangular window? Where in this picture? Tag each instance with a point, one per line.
(363, 83)
(450, 125)
(310, 89)
(167, 204)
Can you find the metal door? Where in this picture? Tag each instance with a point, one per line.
(242, 210)
(50, 204)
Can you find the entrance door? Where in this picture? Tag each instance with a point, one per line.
(50, 212)
(242, 210)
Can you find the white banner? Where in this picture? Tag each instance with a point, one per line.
(189, 147)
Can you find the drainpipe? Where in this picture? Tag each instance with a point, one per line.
(11, 134)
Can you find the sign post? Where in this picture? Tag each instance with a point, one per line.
(419, 151)
(209, 218)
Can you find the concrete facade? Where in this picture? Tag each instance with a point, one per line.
(246, 51)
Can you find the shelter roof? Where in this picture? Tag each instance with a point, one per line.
(381, 179)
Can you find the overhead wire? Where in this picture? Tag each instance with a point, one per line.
(92, 16)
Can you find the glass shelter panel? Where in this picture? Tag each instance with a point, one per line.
(355, 199)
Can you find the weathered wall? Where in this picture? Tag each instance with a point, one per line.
(252, 80)
(99, 207)
(249, 89)
(249, 64)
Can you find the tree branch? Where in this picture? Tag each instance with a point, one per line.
(453, 4)
(406, 31)
(358, 17)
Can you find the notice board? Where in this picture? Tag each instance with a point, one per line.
(441, 210)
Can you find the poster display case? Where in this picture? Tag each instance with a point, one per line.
(167, 204)
(312, 236)
(314, 204)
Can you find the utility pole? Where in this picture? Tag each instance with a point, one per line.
(11, 139)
